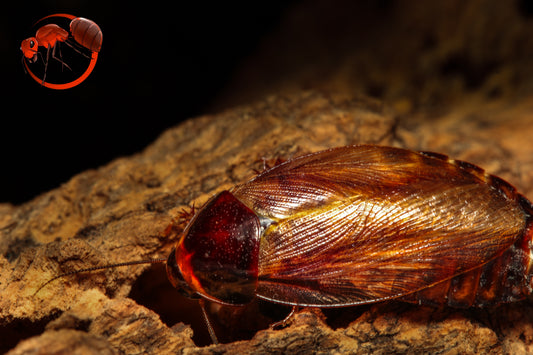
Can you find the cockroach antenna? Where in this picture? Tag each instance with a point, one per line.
(96, 268)
(129, 263)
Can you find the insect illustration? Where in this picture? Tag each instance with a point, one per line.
(356, 225)
(84, 35)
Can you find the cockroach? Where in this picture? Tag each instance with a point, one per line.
(356, 225)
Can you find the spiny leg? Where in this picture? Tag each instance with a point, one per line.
(46, 63)
(60, 59)
(208, 322)
(73, 46)
(283, 323)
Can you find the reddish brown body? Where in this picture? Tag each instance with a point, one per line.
(50, 34)
(360, 224)
(87, 33)
(46, 36)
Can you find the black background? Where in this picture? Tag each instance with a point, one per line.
(160, 63)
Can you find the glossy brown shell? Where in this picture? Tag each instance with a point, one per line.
(87, 33)
(361, 224)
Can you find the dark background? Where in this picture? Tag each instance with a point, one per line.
(160, 63)
(164, 62)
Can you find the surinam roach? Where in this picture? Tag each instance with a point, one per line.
(356, 225)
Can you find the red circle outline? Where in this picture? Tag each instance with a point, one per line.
(71, 84)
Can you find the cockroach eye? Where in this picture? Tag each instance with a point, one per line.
(176, 278)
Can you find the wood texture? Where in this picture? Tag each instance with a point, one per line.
(119, 211)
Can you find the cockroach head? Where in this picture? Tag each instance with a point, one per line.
(176, 278)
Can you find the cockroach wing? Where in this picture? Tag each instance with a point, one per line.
(360, 224)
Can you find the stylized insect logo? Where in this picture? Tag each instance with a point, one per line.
(84, 37)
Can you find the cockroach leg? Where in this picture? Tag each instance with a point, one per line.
(67, 42)
(46, 64)
(208, 322)
(283, 323)
(268, 165)
(60, 59)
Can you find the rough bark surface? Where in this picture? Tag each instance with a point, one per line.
(119, 212)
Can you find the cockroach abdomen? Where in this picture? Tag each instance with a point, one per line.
(218, 252)
(506, 278)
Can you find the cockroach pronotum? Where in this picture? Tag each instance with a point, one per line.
(360, 224)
